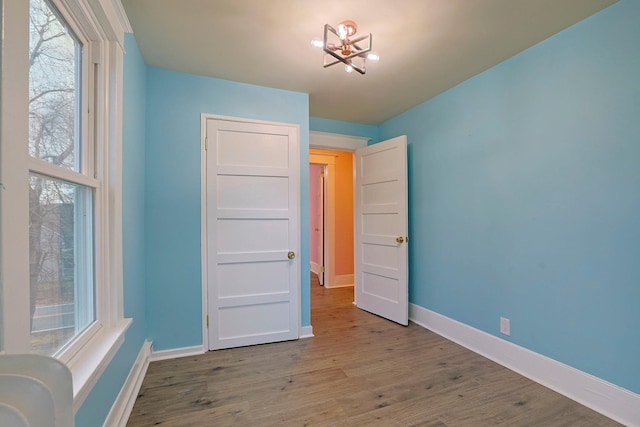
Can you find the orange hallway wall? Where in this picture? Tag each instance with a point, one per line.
(344, 210)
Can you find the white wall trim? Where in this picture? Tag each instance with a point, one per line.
(121, 409)
(606, 398)
(88, 365)
(342, 281)
(119, 14)
(315, 267)
(336, 141)
(306, 332)
(204, 260)
(112, 18)
(14, 172)
(329, 214)
(175, 353)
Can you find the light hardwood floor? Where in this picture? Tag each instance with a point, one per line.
(358, 370)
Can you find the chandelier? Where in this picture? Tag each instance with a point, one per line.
(339, 46)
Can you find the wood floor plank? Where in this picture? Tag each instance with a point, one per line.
(357, 370)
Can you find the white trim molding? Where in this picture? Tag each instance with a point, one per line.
(112, 11)
(88, 365)
(121, 15)
(336, 141)
(306, 332)
(606, 398)
(14, 174)
(315, 267)
(121, 409)
(329, 214)
(342, 281)
(175, 353)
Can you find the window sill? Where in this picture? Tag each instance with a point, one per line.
(88, 365)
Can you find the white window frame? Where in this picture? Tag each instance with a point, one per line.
(86, 176)
(100, 24)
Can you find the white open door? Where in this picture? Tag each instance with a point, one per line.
(381, 269)
(316, 219)
(252, 271)
(321, 231)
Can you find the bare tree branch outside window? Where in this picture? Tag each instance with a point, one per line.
(54, 105)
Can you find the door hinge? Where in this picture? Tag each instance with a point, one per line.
(322, 269)
(206, 143)
(322, 173)
(207, 321)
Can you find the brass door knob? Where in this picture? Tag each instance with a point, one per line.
(291, 255)
(400, 239)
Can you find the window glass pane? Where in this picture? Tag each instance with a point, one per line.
(54, 89)
(61, 262)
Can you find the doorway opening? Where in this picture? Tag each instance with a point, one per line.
(322, 150)
(331, 201)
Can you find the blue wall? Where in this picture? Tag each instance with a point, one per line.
(525, 197)
(98, 403)
(345, 128)
(173, 236)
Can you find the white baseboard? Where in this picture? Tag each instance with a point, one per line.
(606, 398)
(341, 281)
(121, 409)
(174, 353)
(306, 331)
(315, 267)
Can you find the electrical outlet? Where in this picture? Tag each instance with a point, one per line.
(505, 326)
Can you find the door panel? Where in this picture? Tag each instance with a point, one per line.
(252, 225)
(381, 269)
(238, 148)
(263, 319)
(237, 279)
(250, 234)
(253, 192)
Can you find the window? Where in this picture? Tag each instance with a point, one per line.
(60, 262)
(61, 221)
(60, 195)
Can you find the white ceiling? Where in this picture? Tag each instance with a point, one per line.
(427, 46)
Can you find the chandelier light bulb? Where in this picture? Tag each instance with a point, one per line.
(317, 42)
(373, 57)
(342, 31)
(348, 68)
(346, 29)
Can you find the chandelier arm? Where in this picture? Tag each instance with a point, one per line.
(345, 61)
(331, 63)
(336, 56)
(361, 53)
(359, 39)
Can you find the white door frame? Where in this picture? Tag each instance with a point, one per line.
(329, 245)
(331, 141)
(322, 207)
(203, 218)
(322, 203)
